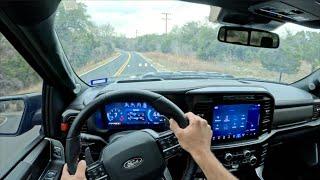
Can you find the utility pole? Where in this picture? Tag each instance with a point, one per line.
(136, 33)
(166, 19)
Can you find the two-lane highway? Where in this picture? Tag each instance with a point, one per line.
(127, 64)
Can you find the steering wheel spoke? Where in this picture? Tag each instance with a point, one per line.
(169, 144)
(96, 171)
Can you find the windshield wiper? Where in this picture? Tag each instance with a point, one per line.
(139, 80)
(258, 80)
(185, 75)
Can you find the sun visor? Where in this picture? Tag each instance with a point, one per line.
(29, 12)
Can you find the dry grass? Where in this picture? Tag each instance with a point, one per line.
(253, 69)
(32, 89)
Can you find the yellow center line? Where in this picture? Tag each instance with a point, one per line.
(121, 69)
(107, 62)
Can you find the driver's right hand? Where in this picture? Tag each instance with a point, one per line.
(196, 137)
(79, 175)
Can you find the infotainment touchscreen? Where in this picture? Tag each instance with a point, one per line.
(235, 121)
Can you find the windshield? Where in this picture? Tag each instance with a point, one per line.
(120, 40)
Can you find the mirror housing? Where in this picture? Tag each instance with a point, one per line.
(19, 114)
(248, 37)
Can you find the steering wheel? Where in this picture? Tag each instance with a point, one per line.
(137, 155)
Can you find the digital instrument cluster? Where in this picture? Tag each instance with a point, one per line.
(129, 115)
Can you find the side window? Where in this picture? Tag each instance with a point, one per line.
(17, 127)
(16, 76)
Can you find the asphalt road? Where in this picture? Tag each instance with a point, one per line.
(127, 64)
(10, 123)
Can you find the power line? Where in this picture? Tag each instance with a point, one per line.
(166, 19)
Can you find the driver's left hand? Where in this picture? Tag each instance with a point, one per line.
(79, 175)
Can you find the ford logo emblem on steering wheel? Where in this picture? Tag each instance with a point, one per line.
(133, 163)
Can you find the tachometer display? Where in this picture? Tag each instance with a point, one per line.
(154, 116)
(115, 114)
(132, 114)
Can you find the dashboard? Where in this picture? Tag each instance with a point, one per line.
(247, 117)
(229, 122)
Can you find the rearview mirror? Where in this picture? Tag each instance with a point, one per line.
(248, 37)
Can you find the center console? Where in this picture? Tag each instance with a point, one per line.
(240, 121)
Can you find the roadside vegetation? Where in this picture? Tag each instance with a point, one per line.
(193, 46)
(241, 69)
(196, 44)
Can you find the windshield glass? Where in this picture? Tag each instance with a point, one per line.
(119, 40)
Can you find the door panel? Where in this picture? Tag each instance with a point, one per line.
(45, 161)
(15, 144)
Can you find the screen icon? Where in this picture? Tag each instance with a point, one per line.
(144, 105)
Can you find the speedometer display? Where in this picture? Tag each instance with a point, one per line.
(132, 115)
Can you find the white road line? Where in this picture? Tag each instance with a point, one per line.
(156, 66)
(4, 121)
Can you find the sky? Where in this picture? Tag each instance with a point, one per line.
(145, 17)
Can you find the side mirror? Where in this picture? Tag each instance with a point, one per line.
(248, 37)
(19, 114)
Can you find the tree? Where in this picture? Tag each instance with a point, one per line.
(279, 61)
(15, 73)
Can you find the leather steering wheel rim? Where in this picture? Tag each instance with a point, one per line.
(159, 102)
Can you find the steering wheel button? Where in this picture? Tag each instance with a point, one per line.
(173, 151)
(100, 168)
(166, 153)
(95, 173)
(161, 142)
(165, 146)
(51, 174)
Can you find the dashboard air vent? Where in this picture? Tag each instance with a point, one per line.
(316, 110)
(201, 109)
(70, 120)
